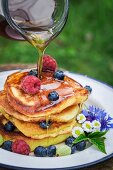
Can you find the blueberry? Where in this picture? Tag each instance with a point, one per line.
(59, 75)
(69, 141)
(40, 151)
(9, 127)
(33, 73)
(7, 145)
(53, 96)
(73, 149)
(45, 124)
(81, 146)
(88, 88)
(51, 151)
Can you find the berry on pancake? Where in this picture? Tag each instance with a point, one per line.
(49, 63)
(9, 127)
(53, 96)
(30, 84)
(33, 72)
(59, 75)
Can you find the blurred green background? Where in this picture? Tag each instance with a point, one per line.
(85, 46)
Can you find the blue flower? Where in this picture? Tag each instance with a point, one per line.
(94, 113)
(106, 121)
(91, 113)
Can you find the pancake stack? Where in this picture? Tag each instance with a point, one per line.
(27, 112)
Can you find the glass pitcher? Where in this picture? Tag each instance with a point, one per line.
(32, 16)
(5, 30)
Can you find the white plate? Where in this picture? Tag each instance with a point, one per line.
(102, 96)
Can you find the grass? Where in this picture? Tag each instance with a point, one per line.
(85, 46)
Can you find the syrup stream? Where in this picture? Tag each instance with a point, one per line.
(40, 63)
(40, 42)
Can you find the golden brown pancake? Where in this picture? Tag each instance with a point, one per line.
(70, 93)
(34, 131)
(26, 111)
(33, 143)
(66, 115)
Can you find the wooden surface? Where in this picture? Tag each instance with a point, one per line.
(107, 165)
(16, 66)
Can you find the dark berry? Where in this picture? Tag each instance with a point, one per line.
(45, 124)
(88, 88)
(53, 96)
(9, 127)
(30, 84)
(33, 73)
(20, 147)
(51, 151)
(81, 146)
(59, 75)
(73, 149)
(69, 141)
(7, 145)
(40, 151)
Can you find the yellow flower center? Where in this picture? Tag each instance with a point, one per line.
(88, 126)
(96, 124)
(81, 117)
(77, 132)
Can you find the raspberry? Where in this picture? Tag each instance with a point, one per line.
(20, 147)
(30, 84)
(49, 63)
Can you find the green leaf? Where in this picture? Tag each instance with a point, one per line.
(97, 134)
(99, 143)
(80, 138)
(96, 138)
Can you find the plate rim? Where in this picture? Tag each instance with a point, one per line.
(66, 168)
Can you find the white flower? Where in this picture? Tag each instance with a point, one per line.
(81, 118)
(96, 124)
(77, 131)
(87, 126)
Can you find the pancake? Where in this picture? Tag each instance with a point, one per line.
(33, 143)
(70, 93)
(66, 115)
(26, 111)
(34, 131)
